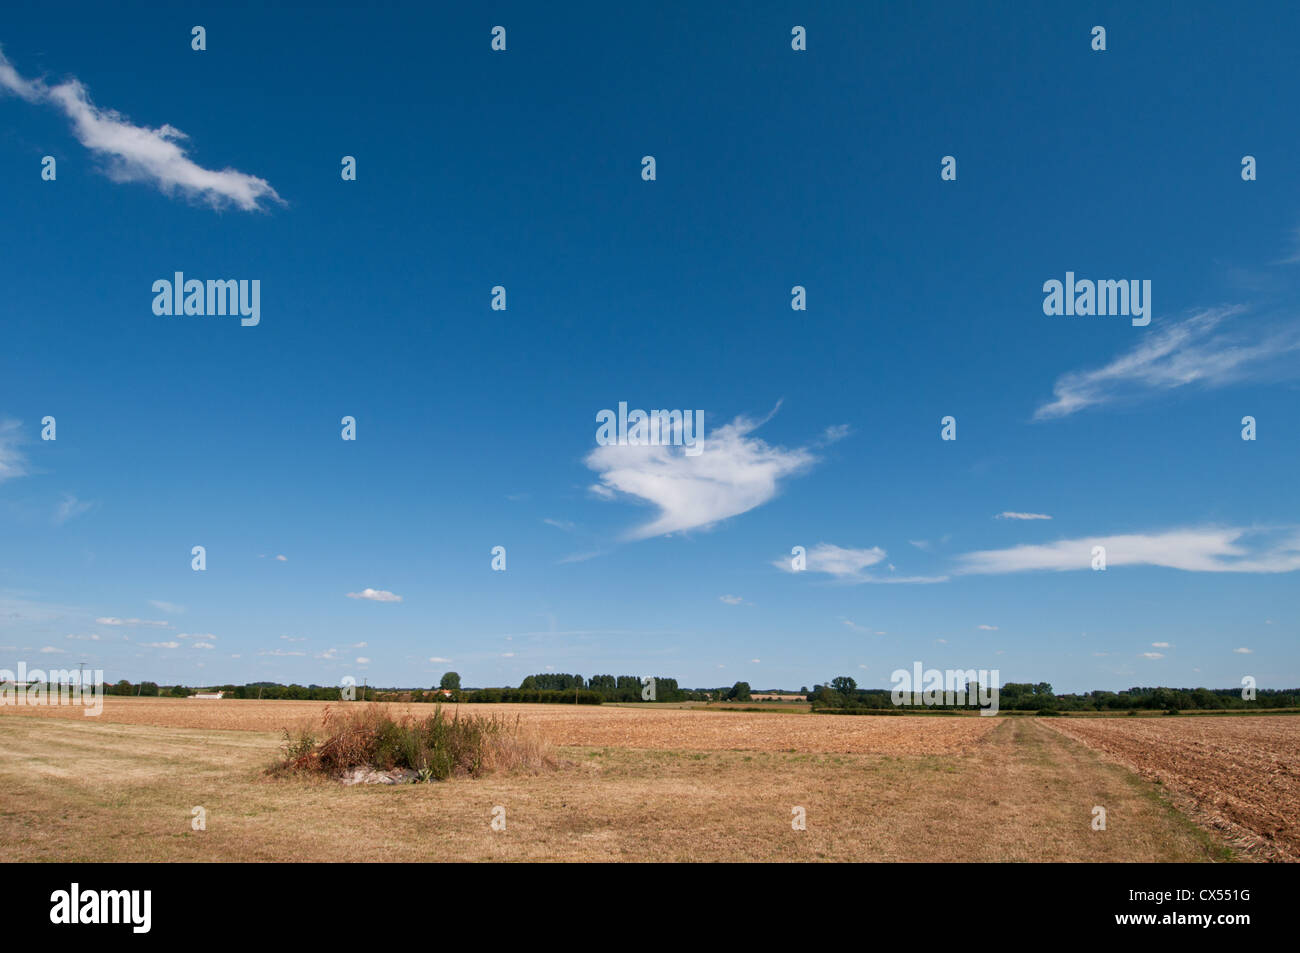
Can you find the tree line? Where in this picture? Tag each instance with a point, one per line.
(843, 693)
(840, 693)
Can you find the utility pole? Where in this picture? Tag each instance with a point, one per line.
(81, 677)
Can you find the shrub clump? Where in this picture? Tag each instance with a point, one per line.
(435, 747)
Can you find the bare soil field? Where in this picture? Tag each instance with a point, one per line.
(1238, 776)
(98, 789)
(580, 725)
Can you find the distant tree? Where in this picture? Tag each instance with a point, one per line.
(739, 692)
(844, 685)
(803, 690)
(451, 680)
(823, 696)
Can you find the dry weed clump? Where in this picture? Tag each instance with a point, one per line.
(433, 748)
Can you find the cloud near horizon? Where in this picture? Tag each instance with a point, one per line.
(137, 153)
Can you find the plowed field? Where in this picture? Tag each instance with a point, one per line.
(1238, 775)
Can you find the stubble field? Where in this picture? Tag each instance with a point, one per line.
(582, 725)
(649, 784)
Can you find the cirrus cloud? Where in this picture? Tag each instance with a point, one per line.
(138, 153)
(1197, 549)
(1208, 349)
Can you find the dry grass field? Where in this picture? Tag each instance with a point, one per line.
(583, 725)
(648, 785)
(1239, 776)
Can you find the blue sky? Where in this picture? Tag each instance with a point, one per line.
(476, 428)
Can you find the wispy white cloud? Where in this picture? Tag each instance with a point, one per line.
(169, 607)
(1153, 655)
(1293, 258)
(847, 565)
(376, 595)
(1244, 651)
(1208, 349)
(138, 153)
(988, 628)
(834, 434)
(1008, 515)
(836, 560)
(861, 629)
(734, 474)
(732, 600)
(1203, 549)
(13, 462)
(161, 645)
(70, 508)
(112, 620)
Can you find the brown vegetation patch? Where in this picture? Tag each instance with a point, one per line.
(434, 746)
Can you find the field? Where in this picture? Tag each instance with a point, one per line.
(650, 783)
(1238, 776)
(629, 726)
